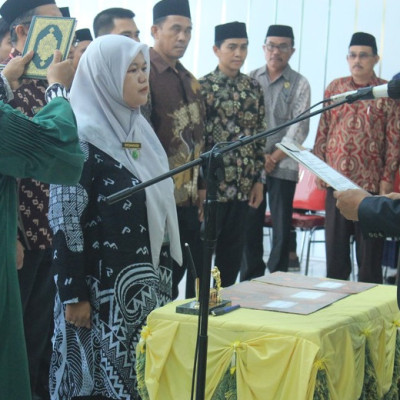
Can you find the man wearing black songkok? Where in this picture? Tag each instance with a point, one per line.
(361, 141)
(287, 95)
(176, 111)
(116, 21)
(234, 108)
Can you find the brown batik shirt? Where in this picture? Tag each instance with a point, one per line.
(177, 115)
(34, 230)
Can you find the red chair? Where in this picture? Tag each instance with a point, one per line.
(308, 210)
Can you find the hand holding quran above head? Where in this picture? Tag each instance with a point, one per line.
(60, 71)
(15, 68)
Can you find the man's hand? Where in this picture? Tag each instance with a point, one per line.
(348, 202)
(78, 314)
(269, 163)
(393, 196)
(272, 160)
(256, 195)
(321, 185)
(385, 187)
(15, 68)
(60, 71)
(20, 255)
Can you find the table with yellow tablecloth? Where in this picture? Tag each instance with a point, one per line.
(348, 349)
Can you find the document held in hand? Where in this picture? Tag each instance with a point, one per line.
(45, 35)
(318, 167)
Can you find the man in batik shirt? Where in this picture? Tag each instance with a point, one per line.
(234, 108)
(361, 141)
(34, 234)
(177, 115)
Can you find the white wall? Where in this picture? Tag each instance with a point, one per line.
(322, 29)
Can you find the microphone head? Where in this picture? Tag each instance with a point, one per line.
(394, 89)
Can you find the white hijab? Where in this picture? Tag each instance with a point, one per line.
(105, 121)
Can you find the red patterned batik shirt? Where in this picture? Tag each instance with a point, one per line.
(360, 140)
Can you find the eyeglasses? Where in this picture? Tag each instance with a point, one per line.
(361, 56)
(283, 47)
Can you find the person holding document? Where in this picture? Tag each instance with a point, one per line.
(379, 216)
(361, 141)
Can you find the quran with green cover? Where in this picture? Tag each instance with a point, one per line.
(45, 35)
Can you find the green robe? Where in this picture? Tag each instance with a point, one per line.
(45, 148)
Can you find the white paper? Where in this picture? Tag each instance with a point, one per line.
(309, 294)
(318, 167)
(280, 304)
(329, 285)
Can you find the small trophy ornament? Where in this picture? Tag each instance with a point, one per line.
(215, 301)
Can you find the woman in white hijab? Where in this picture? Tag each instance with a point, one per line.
(112, 262)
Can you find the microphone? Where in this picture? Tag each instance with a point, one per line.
(390, 89)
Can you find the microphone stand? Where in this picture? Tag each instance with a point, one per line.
(213, 163)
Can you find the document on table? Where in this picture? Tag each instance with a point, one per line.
(271, 297)
(318, 167)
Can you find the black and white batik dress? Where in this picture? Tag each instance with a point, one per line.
(102, 254)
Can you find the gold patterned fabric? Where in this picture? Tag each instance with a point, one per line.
(177, 116)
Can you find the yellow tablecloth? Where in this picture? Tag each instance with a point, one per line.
(277, 355)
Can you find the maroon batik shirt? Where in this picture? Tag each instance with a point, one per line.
(177, 115)
(34, 230)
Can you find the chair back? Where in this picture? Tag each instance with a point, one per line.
(307, 195)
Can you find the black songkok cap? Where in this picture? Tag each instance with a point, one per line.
(65, 12)
(364, 39)
(231, 30)
(12, 9)
(280, 31)
(171, 7)
(83, 34)
(4, 27)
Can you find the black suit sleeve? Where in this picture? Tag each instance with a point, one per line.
(379, 216)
